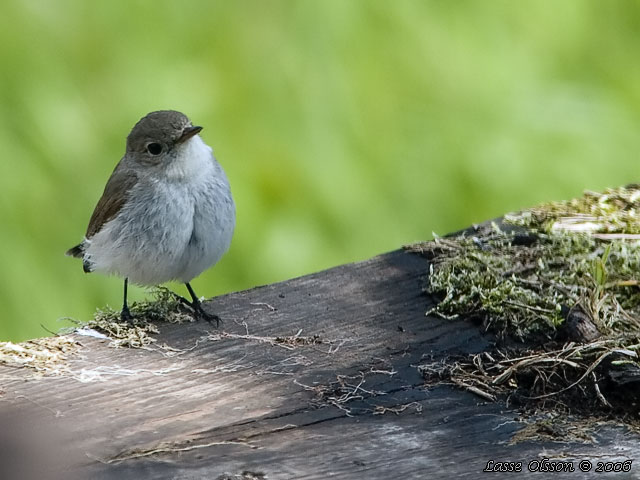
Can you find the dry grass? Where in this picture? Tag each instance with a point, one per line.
(164, 307)
(46, 356)
(50, 355)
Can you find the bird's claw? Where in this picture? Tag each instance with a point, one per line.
(202, 315)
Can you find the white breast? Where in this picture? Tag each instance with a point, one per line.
(174, 226)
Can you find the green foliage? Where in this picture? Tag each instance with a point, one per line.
(347, 128)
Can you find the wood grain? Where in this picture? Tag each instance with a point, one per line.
(312, 378)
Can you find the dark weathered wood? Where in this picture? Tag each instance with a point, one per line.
(348, 404)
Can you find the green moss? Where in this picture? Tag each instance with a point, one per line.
(527, 289)
(164, 307)
(561, 255)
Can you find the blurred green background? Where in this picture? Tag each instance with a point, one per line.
(347, 128)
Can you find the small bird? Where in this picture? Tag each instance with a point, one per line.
(166, 212)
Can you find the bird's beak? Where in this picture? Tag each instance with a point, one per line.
(187, 133)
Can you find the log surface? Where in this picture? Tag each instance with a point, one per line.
(312, 378)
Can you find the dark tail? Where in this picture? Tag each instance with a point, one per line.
(77, 251)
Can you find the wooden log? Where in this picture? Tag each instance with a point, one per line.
(312, 378)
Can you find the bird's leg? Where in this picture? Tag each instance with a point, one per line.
(125, 315)
(197, 308)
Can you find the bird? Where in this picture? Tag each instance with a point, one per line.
(166, 212)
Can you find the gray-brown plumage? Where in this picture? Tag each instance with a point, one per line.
(115, 195)
(164, 127)
(166, 212)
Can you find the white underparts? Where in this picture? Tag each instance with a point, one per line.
(176, 223)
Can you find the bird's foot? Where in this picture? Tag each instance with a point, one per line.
(125, 315)
(200, 314)
(196, 306)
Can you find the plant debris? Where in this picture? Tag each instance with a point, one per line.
(50, 355)
(559, 428)
(562, 279)
(570, 375)
(288, 342)
(614, 211)
(347, 389)
(165, 307)
(47, 356)
(245, 475)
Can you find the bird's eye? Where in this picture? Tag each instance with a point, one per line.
(154, 148)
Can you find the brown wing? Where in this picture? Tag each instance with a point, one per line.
(115, 195)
